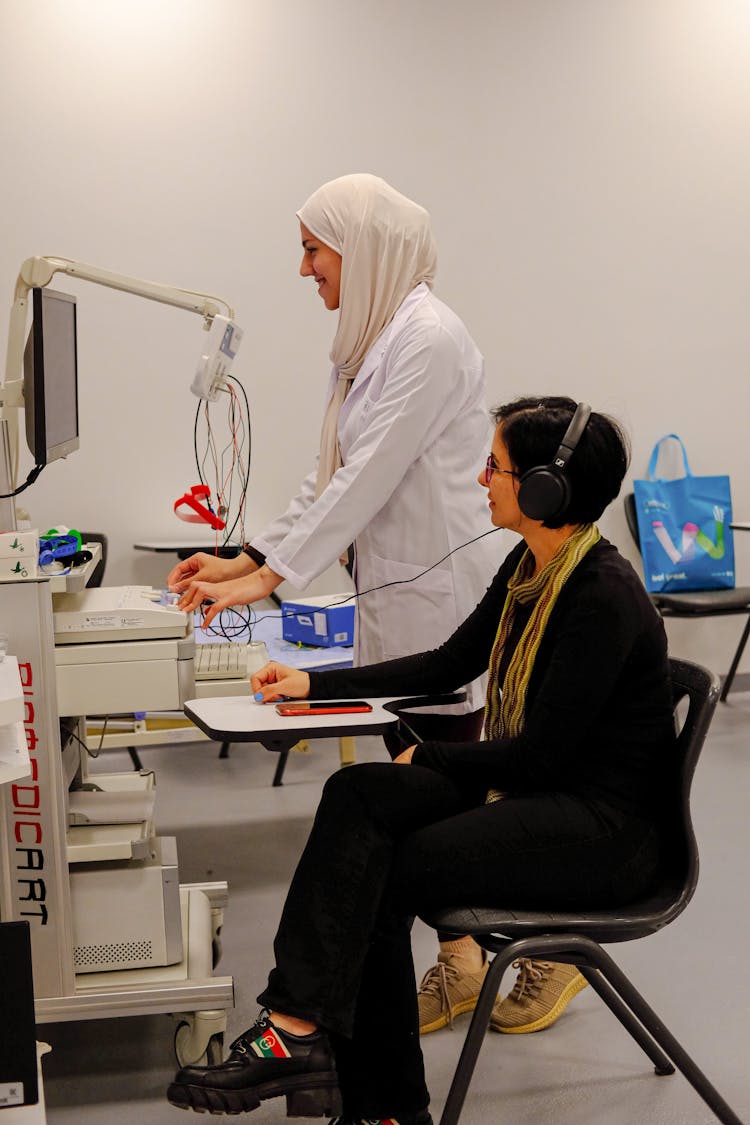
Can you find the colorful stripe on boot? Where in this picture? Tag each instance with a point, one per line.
(269, 1046)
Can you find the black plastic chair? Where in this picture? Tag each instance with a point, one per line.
(699, 603)
(98, 573)
(575, 938)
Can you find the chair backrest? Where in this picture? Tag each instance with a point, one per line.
(632, 518)
(96, 537)
(700, 688)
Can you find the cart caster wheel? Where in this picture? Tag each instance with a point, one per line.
(215, 1049)
(185, 1047)
(182, 1036)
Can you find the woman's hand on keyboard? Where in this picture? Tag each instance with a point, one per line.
(279, 681)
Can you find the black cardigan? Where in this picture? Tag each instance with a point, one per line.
(598, 711)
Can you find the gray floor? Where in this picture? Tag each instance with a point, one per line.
(231, 825)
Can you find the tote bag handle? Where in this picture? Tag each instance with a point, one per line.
(655, 457)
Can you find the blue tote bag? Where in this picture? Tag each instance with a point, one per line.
(683, 523)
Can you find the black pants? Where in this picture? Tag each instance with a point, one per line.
(446, 728)
(390, 840)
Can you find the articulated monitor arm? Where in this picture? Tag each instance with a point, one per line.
(38, 272)
(213, 364)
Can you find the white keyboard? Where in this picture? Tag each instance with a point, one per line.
(220, 660)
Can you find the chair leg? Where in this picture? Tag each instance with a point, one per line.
(648, 1017)
(135, 758)
(474, 1038)
(224, 751)
(280, 767)
(601, 985)
(735, 663)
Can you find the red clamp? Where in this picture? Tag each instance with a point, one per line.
(201, 513)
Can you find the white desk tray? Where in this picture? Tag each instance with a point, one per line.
(237, 719)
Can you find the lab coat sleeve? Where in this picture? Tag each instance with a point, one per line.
(426, 385)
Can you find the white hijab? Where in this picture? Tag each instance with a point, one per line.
(387, 249)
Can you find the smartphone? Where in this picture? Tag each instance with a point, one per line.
(324, 707)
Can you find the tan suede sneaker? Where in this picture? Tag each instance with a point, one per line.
(446, 992)
(542, 991)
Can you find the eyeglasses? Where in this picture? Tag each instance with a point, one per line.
(493, 467)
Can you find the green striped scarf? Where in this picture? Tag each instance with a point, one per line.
(505, 708)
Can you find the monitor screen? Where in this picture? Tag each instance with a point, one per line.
(51, 377)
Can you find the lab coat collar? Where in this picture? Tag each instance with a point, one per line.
(374, 356)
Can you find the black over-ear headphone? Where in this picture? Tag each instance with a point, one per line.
(544, 491)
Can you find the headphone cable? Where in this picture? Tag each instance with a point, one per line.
(385, 585)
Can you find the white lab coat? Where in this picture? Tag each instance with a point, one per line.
(414, 432)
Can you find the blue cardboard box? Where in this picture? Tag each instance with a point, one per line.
(322, 621)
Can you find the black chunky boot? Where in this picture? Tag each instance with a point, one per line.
(421, 1117)
(265, 1062)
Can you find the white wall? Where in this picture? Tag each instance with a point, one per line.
(586, 163)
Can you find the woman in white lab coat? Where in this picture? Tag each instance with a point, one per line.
(404, 422)
(401, 443)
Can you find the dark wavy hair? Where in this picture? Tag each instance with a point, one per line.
(532, 429)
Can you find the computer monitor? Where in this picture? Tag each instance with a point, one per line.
(51, 377)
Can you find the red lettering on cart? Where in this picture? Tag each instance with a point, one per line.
(27, 802)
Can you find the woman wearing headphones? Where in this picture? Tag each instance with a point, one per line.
(557, 809)
(404, 421)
